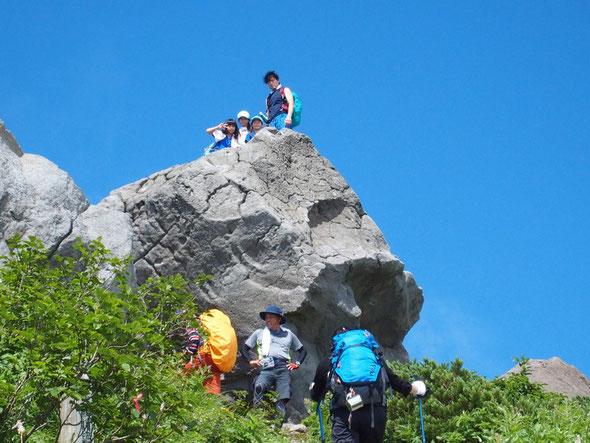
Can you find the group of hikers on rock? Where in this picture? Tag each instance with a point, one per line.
(283, 110)
(353, 371)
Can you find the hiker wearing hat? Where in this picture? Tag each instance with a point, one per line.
(358, 379)
(255, 125)
(273, 343)
(244, 120)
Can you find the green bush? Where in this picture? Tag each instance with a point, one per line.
(466, 407)
(63, 335)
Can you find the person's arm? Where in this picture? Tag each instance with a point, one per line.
(320, 380)
(290, 102)
(300, 359)
(245, 350)
(211, 130)
(399, 384)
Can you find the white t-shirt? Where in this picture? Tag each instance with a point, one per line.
(243, 134)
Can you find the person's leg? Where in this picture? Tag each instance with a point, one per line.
(213, 383)
(262, 384)
(361, 422)
(341, 430)
(283, 389)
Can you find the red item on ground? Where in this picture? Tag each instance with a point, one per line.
(212, 383)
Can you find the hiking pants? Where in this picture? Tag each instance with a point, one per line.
(212, 383)
(358, 429)
(277, 377)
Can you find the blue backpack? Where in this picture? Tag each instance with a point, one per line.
(357, 369)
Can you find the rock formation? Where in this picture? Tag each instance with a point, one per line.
(557, 376)
(36, 197)
(272, 221)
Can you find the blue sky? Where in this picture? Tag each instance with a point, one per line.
(463, 126)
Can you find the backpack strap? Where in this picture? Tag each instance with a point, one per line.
(285, 106)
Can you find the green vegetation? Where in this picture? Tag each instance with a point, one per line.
(63, 334)
(466, 407)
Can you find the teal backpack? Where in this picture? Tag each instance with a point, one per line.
(357, 368)
(296, 118)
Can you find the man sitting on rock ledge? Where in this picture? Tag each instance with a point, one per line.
(273, 344)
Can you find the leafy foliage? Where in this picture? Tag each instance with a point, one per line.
(464, 407)
(64, 335)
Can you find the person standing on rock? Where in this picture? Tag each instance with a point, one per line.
(226, 135)
(245, 128)
(256, 125)
(273, 343)
(358, 410)
(279, 103)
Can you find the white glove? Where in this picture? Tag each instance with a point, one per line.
(418, 388)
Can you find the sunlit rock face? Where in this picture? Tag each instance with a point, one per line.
(272, 221)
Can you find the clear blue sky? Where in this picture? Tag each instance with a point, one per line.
(463, 126)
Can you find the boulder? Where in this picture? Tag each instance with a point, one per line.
(556, 376)
(36, 197)
(273, 222)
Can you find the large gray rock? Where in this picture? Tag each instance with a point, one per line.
(36, 197)
(556, 376)
(274, 222)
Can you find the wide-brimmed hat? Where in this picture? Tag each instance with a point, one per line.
(273, 309)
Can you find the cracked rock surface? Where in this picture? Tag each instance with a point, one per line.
(272, 221)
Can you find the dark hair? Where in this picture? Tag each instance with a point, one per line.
(340, 330)
(269, 75)
(231, 121)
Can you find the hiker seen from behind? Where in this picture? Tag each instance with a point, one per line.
(358, 378)
(273, 344)
(212, 353)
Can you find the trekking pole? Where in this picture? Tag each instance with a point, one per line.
(321, 421)
(421, 419)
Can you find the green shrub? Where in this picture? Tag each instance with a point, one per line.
(63, 335)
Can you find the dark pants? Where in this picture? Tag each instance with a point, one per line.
(359, 430)
(278, 378)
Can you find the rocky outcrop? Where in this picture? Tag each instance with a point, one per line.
(556, 376)
(272, 221)
(36, 197)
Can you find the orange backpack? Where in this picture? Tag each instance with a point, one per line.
(222, 343)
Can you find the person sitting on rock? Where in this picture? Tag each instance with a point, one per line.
(225, 134)
(245, 128)
(256, 125)
(273, 344)
(279, 103)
